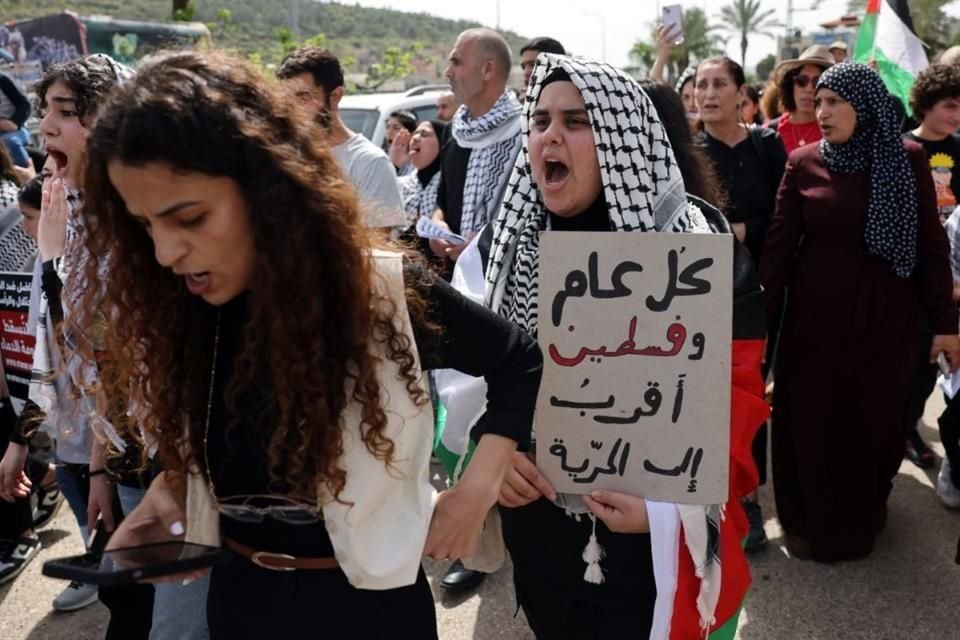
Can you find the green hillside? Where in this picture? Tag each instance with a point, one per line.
(350, 30)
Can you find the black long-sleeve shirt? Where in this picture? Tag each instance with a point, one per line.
(751, 180)
(474, 340)
(453, 177)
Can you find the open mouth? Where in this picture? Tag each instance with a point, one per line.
(60, 159)
(555, 172)
(197, 283)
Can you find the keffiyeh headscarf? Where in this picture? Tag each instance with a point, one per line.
(876, 147)
(418, 189)
(51, 391)
(643, 191)
(641, 181)
(494, 140)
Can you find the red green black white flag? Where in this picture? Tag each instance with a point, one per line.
(887, 37)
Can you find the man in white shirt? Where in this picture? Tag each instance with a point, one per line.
(315, 79)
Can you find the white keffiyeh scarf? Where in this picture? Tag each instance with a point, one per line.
(418, 200)
(644, 192)
(57, 350)
(494, 141)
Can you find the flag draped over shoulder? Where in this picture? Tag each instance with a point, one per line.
(887, 37)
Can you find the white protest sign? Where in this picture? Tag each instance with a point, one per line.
(636, 335)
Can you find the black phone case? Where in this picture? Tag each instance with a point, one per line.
(61, 568)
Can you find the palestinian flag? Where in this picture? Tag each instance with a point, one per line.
(887, 37)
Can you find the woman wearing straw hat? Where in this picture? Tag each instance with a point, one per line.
(797, 80)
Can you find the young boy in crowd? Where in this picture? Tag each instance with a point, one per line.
(935, 101)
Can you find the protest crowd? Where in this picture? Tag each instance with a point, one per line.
(254, 329)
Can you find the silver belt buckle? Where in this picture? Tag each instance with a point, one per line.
(256, 556)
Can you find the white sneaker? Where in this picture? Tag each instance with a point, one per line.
(77, 595)
(949, 495)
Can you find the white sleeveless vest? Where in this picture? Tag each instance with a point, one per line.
(379, 536)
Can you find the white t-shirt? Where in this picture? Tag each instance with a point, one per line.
(375, 178)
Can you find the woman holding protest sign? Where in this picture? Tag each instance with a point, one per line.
(565, 181)
(853, 270)
(292, 428)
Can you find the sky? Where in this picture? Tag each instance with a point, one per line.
(608, 28)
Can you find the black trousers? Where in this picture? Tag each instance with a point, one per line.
(247, 601)
(924, 376)
(553, 617)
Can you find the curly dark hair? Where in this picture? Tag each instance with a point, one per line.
(322, 65)
(699, 176)
(785, 86)
(90, 80)
(770, 101)
(935, 83)
(213, 114)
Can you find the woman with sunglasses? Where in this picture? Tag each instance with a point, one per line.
(273, 356)
(855, 242)
(797, 81)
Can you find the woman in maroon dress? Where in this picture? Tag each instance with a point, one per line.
(854, 242)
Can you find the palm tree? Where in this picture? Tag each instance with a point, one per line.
(744, 17)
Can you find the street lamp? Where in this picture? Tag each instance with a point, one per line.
(603, 32)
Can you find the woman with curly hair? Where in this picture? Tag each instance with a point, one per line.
(273, 358)
(796, 80)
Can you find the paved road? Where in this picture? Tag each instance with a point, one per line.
(907, 590)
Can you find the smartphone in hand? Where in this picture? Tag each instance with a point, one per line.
(673, 21)
(135, 564)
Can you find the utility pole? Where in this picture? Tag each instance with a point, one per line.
(498, 15)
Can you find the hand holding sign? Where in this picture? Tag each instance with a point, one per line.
(622, 513)
(636, 387)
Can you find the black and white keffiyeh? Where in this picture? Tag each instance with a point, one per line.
(644, 192)
(17, 249)
(494, 141)
(418, 199)
(641, 182)
(876, 147)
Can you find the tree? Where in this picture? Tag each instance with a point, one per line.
(699, 42)
(183, 10)
(744, 17)
(765, 67)
(396, 64)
